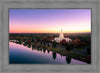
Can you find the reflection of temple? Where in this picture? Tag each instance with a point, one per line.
(61, 37)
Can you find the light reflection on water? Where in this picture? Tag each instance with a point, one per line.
(19, 54)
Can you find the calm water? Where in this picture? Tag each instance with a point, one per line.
(20, 54)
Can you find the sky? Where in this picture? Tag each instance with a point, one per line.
(49, 20)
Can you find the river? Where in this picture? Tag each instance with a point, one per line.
(20, 54)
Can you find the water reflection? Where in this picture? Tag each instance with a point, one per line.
(36, 55)
(54, 55)
(44, 50)
(29, 46)
(68, 59)
(48, 51)
(61, 55)
(18, 42)
(33, 47)
(24, 44)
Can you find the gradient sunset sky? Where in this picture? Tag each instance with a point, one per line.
(49, 20)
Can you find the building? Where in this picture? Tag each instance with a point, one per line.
(61, 37)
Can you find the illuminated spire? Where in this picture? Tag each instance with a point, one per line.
(61, 30)
(61, 34)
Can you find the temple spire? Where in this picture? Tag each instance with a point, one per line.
(61, 30)
(61, 34)
(61, 37)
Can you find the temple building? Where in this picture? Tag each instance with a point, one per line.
(61, 37)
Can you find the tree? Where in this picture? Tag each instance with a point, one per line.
(44, 43)
(41, 42)
(32, 39)
(63, 42)
(69, 46)
(76, 42)
(48, 45)
(89, 51)
(54, 44)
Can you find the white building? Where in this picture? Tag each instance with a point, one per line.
(61, 37)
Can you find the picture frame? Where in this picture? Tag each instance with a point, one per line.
(49, 68)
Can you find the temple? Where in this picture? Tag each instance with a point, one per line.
(61, 37)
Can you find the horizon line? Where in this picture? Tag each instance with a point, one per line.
(57, 32)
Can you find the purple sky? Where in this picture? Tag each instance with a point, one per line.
(49, 20)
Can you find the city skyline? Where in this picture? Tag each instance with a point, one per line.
(49, 20)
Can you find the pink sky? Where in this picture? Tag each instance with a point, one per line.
(49, 20)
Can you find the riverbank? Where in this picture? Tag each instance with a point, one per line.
(63, 52)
